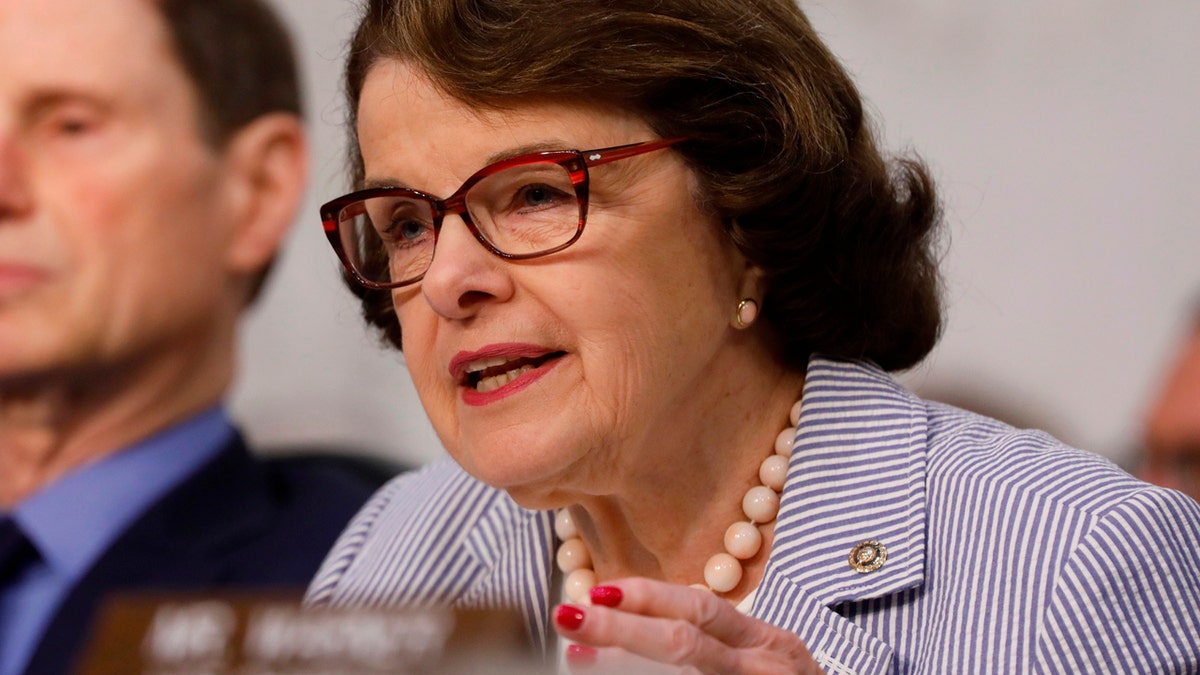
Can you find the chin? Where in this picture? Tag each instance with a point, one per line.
(531, 476)
(538, 499)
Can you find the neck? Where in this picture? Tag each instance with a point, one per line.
(52, 424)
(664, 517)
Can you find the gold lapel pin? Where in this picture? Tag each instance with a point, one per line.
(868, 557)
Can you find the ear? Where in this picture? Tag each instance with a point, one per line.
(267, 163)
(751, 283)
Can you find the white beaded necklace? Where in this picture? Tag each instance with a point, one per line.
(723, 571)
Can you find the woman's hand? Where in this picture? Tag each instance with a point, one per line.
(640, 626)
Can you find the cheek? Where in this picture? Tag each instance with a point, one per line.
(420, 361)
(129, 211)
(418, 336)
(99, 207)
(628, 337)
(141, 262)
(664, 295)
(416, 323)
(100, 251)
(655, 319)
(91, 216)
(99, 187)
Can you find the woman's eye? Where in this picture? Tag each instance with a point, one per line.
(539, 196)
(404, 231)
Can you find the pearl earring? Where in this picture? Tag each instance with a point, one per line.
(747, 312)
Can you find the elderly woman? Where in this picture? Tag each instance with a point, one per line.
(649, 272)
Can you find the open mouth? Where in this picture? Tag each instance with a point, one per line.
(491, 374)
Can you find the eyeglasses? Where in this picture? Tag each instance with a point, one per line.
(519, 208)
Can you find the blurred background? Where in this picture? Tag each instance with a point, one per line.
(1063, 133)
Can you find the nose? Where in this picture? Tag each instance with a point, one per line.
(15, 197)
(463, 276)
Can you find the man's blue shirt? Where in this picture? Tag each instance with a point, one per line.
(75, 519)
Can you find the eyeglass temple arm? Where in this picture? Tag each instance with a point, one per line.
(606, 155)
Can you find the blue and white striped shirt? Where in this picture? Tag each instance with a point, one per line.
(1007, 551)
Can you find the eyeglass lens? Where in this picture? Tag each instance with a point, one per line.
(522, 210)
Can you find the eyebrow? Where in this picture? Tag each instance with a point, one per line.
(47, 99)
(500, 156)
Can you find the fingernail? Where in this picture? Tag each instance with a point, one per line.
(581, 655)
(609, 596)
(569, 617)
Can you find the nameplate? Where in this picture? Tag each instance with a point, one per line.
(192, 634)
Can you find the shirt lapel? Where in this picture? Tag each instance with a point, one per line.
(857, 474)
(515, 548)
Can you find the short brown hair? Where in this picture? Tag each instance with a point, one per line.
(779, 141)
(239, 56)
(240, 59)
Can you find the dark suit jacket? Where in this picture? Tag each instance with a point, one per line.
(236, 523)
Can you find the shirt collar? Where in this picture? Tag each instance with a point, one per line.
(75, 519)
(857, 474)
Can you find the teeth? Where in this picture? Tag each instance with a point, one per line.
(477, 366)
(489, 383)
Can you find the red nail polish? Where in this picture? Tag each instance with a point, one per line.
(569, 617)
(609, 596)
(581, 655)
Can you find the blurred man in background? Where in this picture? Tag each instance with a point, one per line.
(1172, 431)
(152, 158)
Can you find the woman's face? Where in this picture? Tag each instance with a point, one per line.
(619, 338)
